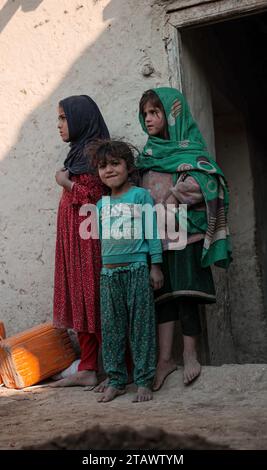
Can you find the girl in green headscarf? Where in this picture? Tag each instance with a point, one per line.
(177, 169)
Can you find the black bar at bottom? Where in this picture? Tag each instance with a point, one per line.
(118, 459)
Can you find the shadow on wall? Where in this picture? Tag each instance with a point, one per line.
(11, 6)
(29, 193)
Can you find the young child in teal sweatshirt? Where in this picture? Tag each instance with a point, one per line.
(131, 257)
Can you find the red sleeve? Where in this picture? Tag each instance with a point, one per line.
(86, 189)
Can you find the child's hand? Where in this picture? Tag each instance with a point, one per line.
(62, 178)
(156, 277)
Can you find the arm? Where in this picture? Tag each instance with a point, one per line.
(63, 179)
(156, 276)
(154, 246)
(187, 190)
(88, 189)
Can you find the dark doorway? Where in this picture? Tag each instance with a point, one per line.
(224, 69)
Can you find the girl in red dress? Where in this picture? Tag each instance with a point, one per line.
(77, 260)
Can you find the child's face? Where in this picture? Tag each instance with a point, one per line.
(154, 119)
(63, 125)
(114, 173)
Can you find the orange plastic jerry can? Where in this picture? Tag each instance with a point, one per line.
(34, 355)
(2, 336)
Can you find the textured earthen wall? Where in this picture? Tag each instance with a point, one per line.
(50, 50)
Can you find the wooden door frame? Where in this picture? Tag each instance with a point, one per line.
(189, 13)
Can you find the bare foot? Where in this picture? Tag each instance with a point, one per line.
(143, 394)
(101, 388)
(164, 368)
(110, 393)
(104, 384)
(81, 378)
(192, 368)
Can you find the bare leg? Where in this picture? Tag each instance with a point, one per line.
(166, 364)
(81, 378)
(110, 393)
(143, 394)
(192, 367)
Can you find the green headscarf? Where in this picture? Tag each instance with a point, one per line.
(186, 152)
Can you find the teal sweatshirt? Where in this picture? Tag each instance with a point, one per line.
(128, 228)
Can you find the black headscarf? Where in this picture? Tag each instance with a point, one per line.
(85, 123)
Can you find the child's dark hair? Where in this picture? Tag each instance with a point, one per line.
(150, 96)
(102, 149)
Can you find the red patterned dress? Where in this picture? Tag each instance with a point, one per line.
(77, 261)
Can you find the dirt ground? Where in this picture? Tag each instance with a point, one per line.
(226, 406)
